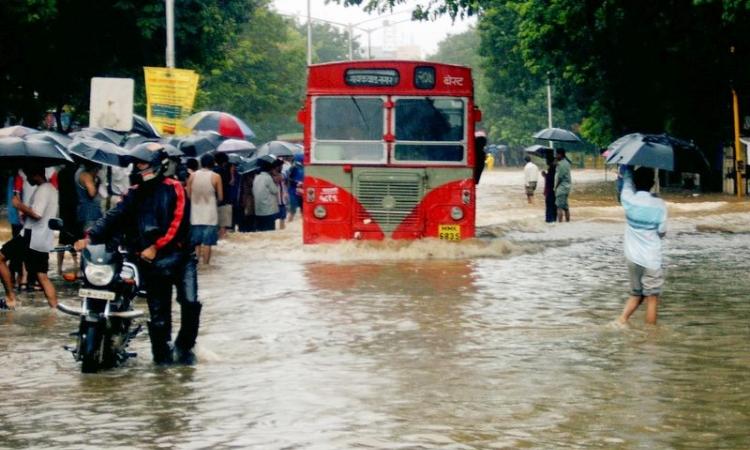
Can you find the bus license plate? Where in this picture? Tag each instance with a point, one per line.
(449, 232)
(97, 294)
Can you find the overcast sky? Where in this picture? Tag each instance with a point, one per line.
(424, 34)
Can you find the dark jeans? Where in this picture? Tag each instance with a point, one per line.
(181, 271)
(550, 214)
(247, 224)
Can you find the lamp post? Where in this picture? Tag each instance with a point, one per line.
(169, 6)
(309, 34)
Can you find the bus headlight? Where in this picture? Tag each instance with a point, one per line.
(457, 213)
(320, 212)
(466, 196)
(310, 195)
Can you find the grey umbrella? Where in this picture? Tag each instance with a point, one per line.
(557, 135)
(658, 151)
(237, 146)
(50, 136)
(100, 152)
(17, 152)
(197, 144)
(101, 134)
(144, 127)
(169, 147)
(16, 131)
(248, 165)
(277, 148)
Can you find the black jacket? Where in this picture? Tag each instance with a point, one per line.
(156, 215)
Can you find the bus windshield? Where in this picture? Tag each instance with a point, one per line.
(430, 129)
(349, 129)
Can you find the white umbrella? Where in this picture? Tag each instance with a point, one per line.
(236, 146)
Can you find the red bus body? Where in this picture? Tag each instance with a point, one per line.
(389, 151)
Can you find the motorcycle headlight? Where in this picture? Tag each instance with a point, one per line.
(98, 274)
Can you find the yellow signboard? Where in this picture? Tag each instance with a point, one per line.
(170, 94)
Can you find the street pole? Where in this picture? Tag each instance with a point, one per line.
(309, 34)
(739, 161)
(351, 45)
(169, 5)
(549, 102)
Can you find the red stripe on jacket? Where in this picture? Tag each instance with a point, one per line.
(179, 213)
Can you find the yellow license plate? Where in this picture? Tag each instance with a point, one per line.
(449, 232)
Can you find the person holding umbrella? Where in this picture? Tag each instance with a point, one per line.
(36, 239)
(646, 217)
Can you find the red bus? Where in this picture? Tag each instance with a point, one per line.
(389, 151)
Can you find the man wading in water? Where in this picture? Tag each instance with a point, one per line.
(646, 217)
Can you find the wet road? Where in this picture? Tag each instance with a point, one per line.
(505, 342)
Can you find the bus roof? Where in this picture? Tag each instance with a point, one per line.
(393, 77)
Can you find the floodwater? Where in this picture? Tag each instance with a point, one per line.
(504, 342)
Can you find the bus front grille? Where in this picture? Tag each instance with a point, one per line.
(389, 198)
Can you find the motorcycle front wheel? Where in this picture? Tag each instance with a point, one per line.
(91, 348)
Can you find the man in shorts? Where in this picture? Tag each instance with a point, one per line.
(33, 244)
(646, 217)
(562, 185)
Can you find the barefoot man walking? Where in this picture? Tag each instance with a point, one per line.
(646, 217)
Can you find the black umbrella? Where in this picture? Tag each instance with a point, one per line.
(197, 144)
(50, 136)
(17, 152)
(557, 135)
(99, 152)
(278, 148)
(658, 151)
(144, 127)
(538, 150)
(102, 134)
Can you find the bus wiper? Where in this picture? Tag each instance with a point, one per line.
(361, 115)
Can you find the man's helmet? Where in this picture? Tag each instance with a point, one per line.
(154, 155)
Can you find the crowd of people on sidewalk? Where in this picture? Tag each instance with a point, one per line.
(221, 200)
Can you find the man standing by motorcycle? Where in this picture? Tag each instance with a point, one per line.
(154, 218)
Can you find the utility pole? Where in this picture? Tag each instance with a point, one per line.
(350, 29)
(169, 5)
(309, 34)
(549, 101)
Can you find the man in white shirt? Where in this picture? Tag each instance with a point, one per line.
(35, 241)
(646, 217)
(530, 176)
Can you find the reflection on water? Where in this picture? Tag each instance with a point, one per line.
(506, 342)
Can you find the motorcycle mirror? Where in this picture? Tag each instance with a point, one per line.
(55, 224)
(70, 276)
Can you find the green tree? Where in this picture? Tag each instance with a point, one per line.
(330, 43)
(51, 48)
(262, 78)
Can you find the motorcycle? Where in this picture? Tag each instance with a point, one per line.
(110, 284)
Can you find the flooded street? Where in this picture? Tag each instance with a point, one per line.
(506, 341)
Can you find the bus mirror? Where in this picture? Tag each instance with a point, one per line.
(477, 114)
(302, 116)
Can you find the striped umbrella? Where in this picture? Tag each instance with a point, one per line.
(223, 123)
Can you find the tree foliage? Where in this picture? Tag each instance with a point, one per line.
(52, 48)
(628, 65)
